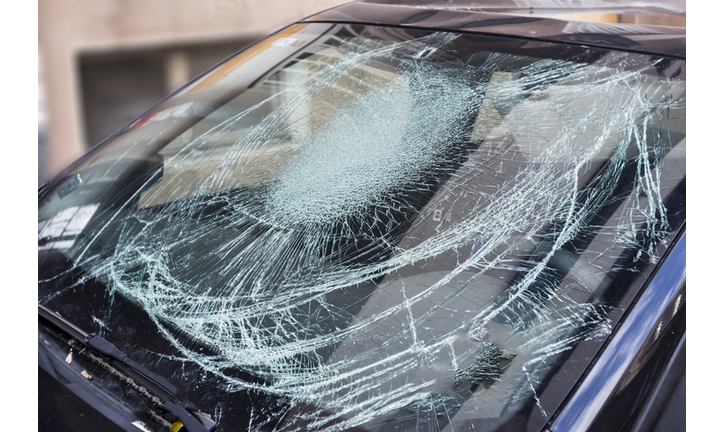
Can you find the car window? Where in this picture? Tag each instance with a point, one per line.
(387, 228)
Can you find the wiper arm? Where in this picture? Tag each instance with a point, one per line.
(191, 421)
(99, 344)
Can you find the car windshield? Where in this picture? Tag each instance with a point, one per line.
(350, 227)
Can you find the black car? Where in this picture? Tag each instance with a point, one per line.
(382, 218)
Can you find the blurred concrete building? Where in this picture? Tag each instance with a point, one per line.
(105, 61)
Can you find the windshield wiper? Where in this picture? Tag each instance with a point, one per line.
(100, 345)
(192, 422)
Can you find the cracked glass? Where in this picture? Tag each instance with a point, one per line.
(350, 227)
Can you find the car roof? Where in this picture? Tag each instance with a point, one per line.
(650, 8)
(667, 41)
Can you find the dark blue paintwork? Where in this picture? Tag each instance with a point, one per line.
(659, 40)
(599, 385)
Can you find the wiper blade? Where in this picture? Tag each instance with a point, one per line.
(99, 344)
(191, 421)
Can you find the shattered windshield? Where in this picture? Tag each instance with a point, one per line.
(348, 227)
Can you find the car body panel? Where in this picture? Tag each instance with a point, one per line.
(665, 41)
(645, 321)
